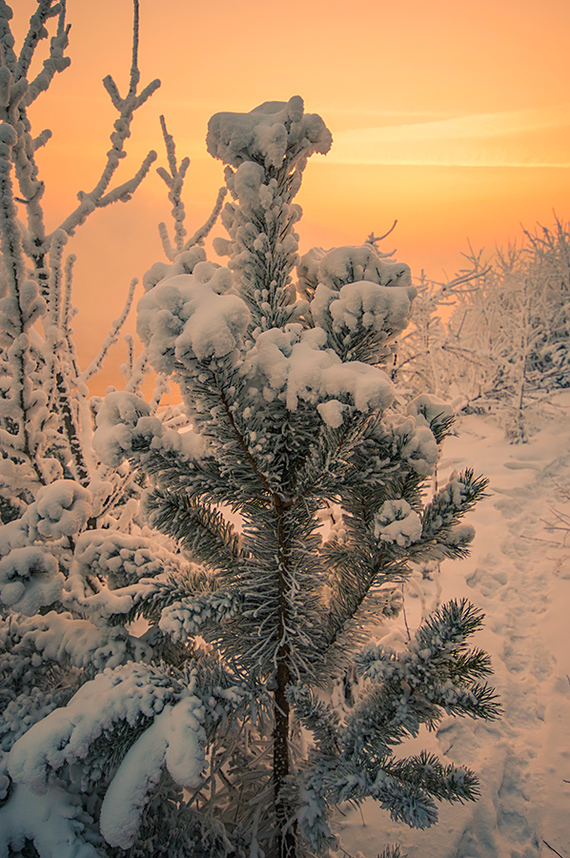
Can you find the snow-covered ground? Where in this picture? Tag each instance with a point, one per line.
(519, 574)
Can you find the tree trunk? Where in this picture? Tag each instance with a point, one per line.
(286, 835)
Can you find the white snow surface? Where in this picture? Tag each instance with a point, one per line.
(53, 826)
(65, 735)
(518, 573)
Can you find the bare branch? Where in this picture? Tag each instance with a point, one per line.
(97, 198)
(374, 239)
(113, 91)
(170, 149)
(5, 84)
(36, 32)
(169, 251)
(8, 56)
(552, 849)
(124, 192)
(41, 139)
(135, 73)
(68, 312)
(126, 369)
(175, 182)
(140, 370)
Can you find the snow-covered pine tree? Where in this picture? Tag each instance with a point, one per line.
(252, 623)
(267, 608)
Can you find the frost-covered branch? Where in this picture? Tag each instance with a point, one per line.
(56, 62)
(175, 182)
(111, 338)
(99, 196)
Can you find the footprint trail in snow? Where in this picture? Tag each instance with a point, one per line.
(519, 574)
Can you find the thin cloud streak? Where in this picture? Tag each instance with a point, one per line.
(522, 138)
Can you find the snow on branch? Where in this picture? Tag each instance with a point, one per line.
(99, 197)
(56, 62)
(175, 182)
(111, 338)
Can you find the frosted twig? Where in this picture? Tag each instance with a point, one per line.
(36, 32)
(98, 197)
(58, 242)
(123, 193)
(41, 139)
(8, 56)
(175, 182)
(112, 337)
(56, 62)
(161, 387)
(127, 367)
(169, 251)
(374, 239)
(204, 230)
(68, 287)
(139, 372)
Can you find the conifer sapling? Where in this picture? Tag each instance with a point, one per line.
(267, 608)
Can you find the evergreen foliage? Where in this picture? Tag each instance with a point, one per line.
(171, 689)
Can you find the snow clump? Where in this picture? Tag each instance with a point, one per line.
(335, 268)
(61, 509)
(29, 579)
(294, 365)
(267, 134)
(188, 316)
(397, 522)
(125, 424)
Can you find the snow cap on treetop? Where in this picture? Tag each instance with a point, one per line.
(267, 134)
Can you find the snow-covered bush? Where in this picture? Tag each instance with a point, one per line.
(496, 337)
(68, 521)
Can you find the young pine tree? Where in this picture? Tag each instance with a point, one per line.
(271, 605)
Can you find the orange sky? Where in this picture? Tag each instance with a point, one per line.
(451, 116)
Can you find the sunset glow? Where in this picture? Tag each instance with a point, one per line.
(451, 118)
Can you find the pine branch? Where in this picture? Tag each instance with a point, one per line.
(201, 529)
